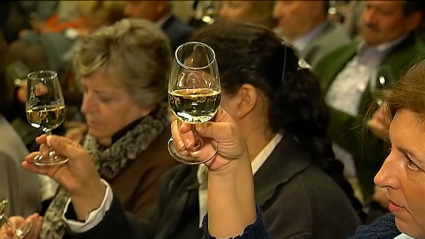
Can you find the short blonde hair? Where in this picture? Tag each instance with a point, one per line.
(135, 52)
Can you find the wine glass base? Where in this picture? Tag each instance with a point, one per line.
(52, 160)
(22, 231)
(186, 159)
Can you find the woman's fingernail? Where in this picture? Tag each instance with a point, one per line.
(181, 146)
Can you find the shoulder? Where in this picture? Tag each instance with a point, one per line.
(383, 228)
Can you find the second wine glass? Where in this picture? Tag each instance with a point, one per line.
(194, 93)
(19, 232)
(45, 108)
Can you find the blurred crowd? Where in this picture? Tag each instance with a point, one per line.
(304, 80)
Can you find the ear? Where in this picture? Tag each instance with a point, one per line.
(248, 95)
(413, 21)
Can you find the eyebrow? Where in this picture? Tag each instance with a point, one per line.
(410, 154)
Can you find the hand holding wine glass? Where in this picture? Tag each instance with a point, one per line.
(230, 181)
(45, 108)
(222, 130)
(79, 176)
(14, 228)
(194, 93)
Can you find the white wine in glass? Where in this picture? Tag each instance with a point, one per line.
(18, 232)
(194, 92)
(45, 109)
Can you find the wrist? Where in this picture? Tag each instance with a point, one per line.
(88, 199)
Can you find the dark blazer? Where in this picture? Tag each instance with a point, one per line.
(177, 31)
(383, 228)
(298, 200)
(348, 131)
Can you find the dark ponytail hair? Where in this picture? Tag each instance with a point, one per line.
(251, 54)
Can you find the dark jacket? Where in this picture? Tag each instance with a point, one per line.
(177, 31)
(286, 184)
(383, 228)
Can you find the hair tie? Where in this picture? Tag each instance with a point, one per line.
(303, 65)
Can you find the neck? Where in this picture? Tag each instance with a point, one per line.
(307, 28)
(257, 139)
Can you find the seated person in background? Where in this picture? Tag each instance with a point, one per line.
(259, 12)
(20, 188)
(349, 74)
(65, 16)
(160, 12)
(124, 70)
(306, 26)
(295, 172)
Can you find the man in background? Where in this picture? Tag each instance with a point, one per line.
(160, 12)
(349, 76)
(305, 25)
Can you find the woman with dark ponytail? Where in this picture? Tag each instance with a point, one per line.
(281, 111)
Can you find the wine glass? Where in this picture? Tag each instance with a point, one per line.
(45, 109)
(18, 232)
(383, 80)
(194, 93)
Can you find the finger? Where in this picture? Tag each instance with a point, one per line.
(42, 139)
(36, 228)
(35, 169)
(65, 147)
(175, 133)
(222, 116)
(44, 150)
(187, 135)
(217, 131)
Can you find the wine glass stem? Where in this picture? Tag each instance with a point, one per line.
(49, 132)
(198, 141)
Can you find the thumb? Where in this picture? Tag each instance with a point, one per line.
(217, 131)
(64, 146)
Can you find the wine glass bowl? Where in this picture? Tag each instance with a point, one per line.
(194, 93)
(18, 232)
(45, 109)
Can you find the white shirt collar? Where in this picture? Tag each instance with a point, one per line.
(161, 21)
(255, 165)
(301, 43)
(403, 236)
(383, 47)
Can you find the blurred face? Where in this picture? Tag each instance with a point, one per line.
(297, 18)
(107, 106)
(236, 10)
(403, 173)
(144, 9)
(384, 21)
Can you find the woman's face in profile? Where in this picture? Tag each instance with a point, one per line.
(107, 106)
(403, 173)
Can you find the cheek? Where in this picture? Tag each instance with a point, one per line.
(414, 192)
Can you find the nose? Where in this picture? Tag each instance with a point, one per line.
(277, 13)
(127, 9)
(88, 105)
(369, 16)
(388, 175)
